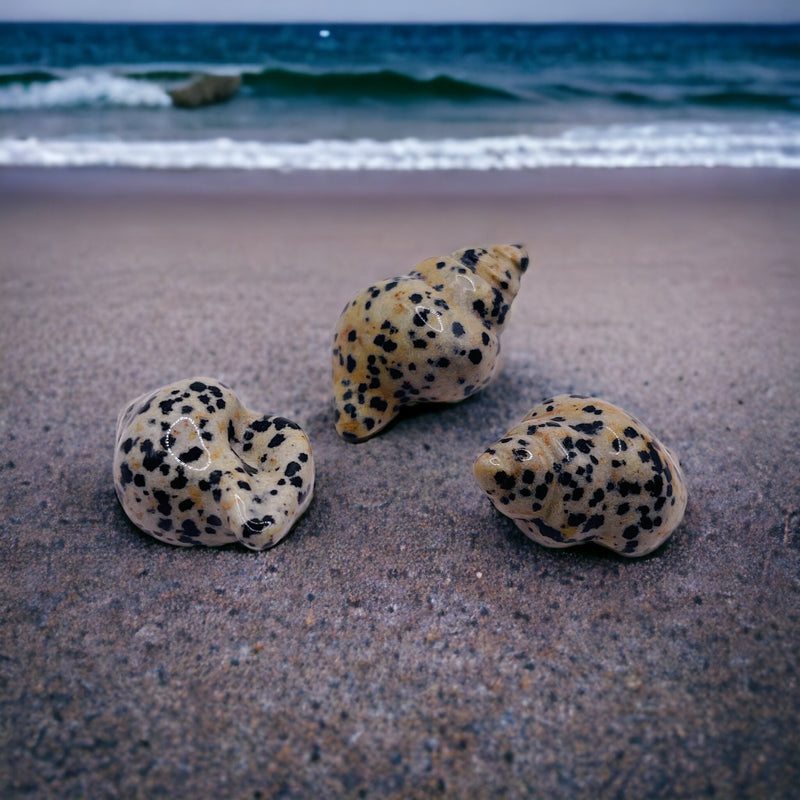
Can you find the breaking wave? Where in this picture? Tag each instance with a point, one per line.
(92, 90)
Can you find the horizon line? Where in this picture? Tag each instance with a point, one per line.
(330, 23)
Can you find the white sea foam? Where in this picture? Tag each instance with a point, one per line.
(677, 145)
(94, 89)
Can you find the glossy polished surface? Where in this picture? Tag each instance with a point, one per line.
(431, 336)
(578, 469)
(193, 466)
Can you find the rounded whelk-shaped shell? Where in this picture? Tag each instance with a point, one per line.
(431, 336)
(578, 469)
(193, 466)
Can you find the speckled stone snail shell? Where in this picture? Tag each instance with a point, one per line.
(192, 466)
(431, 336)
(578, 469)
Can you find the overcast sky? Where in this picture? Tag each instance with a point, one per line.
(407, 10)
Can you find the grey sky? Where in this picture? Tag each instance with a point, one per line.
(407, 10)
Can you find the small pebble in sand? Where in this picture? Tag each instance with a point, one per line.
(578, 469)
(193, 466)
(431, 336)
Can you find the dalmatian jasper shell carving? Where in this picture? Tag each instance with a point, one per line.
(578, 469)
(192, 466)
(431, 336)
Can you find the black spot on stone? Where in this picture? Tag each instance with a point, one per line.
(191, 455)
(351, 363)
(385, 343)
(186, 504)
(378, 403)
(164, 505)
(281, 422)
(631, 532)
(125, 474)
(598, 495)
(627, 487)
(548, 532)
(591, 428)
(504, 480)
(594, 522)
(292, 468)
(165, 406)
(165, 524)
(573, 520)
(655, 486)
(475, 356)
(457, 328)
(470, 258)
(198, 386)
(277, 440)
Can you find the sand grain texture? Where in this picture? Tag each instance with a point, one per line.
(405, 640)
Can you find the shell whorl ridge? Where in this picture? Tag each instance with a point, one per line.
(193, 466)
(431, 336)
(578, 469)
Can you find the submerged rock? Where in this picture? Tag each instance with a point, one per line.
(205, 91)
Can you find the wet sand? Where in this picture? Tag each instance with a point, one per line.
(405, 640)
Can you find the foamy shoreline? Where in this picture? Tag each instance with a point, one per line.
(750, 145)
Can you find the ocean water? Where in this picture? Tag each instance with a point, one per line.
(402, 97)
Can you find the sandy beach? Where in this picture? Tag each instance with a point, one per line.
(405, 640)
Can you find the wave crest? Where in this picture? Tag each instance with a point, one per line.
(378, 84)
(100, 90)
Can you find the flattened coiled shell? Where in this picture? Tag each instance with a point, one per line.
(192, 466)
(578, 469)
(431, 336)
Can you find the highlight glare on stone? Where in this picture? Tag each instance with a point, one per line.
(192, 466)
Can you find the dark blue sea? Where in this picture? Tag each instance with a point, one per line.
(360, 97)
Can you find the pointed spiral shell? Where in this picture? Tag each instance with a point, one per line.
(431, 336)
